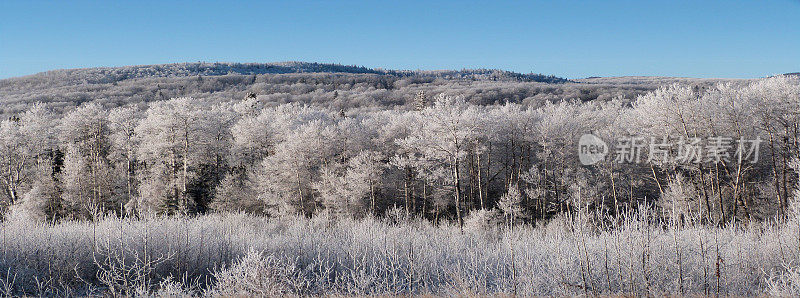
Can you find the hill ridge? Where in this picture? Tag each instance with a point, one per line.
(104, 75)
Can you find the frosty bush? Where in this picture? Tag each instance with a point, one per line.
(258, 275)
(243, 255)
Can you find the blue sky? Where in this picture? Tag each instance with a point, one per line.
(571, 39)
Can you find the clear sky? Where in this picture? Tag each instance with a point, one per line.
(572, 39)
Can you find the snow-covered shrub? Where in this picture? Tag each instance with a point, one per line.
(483, 221)
(257, 275)
(294, 255)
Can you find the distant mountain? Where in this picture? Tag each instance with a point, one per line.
(653, 80)
(103, 75)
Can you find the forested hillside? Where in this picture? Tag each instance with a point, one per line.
(358, 181)
(388, 192)
(360, 144)
(324, 85)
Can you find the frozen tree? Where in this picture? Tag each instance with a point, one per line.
(237, 192)
(674, 110)
(420, 101)
(15, 158)
(734, 111)
(511, 204)
(352, 156)
(795, 164)
(364, 172)
(775, 103)
(443, 141)
(284, 179)
(333, 191)
(38, 126)
(122, 123)
(254, 138)
(338, 187)
(556, 132)
(214, 147)
(509, 144)
(350, 137)
(169, 139)
(41, 202)
(27, 145)
(390, 127)
(87, 175)
(680, 200)
(536, 191)
(349, 188)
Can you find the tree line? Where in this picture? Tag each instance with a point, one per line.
(330, 86)
(440, 159)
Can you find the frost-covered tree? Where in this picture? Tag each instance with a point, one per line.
(87, 175)
(254, 138)
(450, 126)
(364, 172)
(390, 127)
(122, 122)
(27, 149)
(15, 158)
(310, 141)
(214, 147)
(169, 140)
(238, 192)
(511, 204)
(775, 103)
(556, 133)
(350, 187)
(285, 178)
(332, 190)
(42, 201)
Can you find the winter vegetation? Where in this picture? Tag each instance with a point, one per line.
(310, 179)
(244, 256)
(324, 85)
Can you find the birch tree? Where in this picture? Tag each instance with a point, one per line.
(169, 137)
(87, 175)
(122, 123)
(444, 140)
(26, 153)
(15, 158)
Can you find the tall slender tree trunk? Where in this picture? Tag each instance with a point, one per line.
(424, 198)
(129, 175)
(719, 195)
(660, 189)
(781, 200)
(185, 172)
(457, 183)
(406, 190)
(174, 176)
(705, 193)
(299, 190)
(613, 188)
(372, 196)
(488, 170)
(480, 183)
(472, 179)
(785, 167)
(12, 193)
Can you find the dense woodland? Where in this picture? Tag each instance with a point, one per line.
(323, 85)
(437, 145)
(297, 179)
